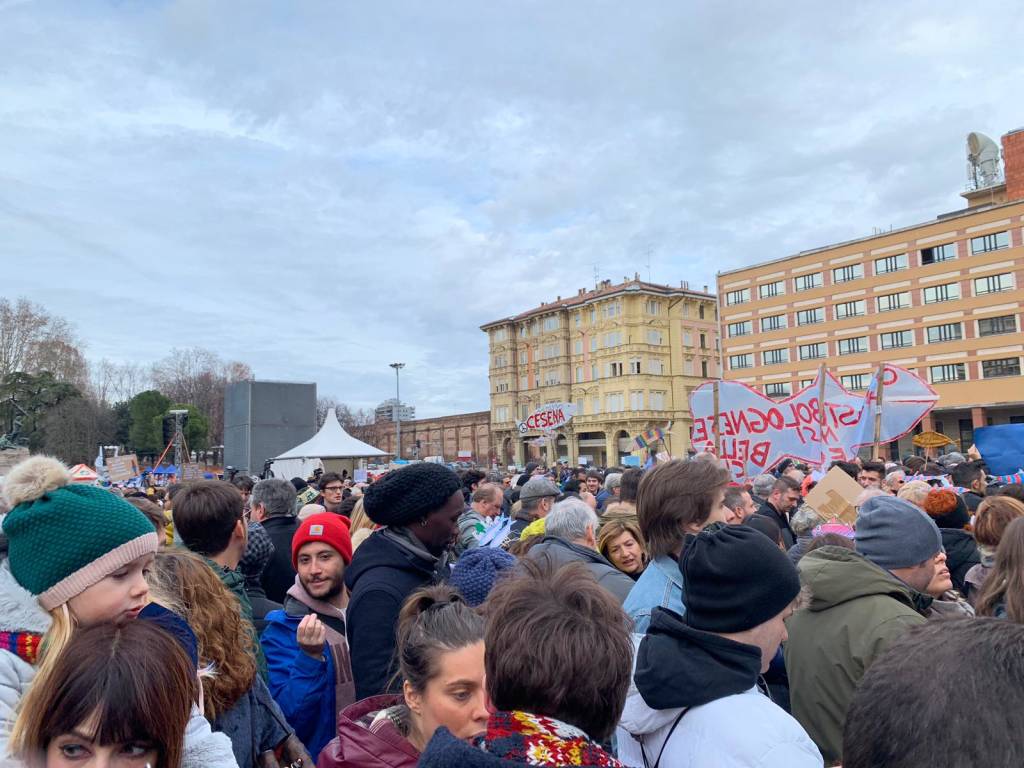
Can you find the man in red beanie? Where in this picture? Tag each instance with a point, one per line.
(305, 643)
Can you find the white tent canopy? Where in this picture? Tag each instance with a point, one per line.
(331, 442)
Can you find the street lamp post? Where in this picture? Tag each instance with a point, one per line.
(398, 413)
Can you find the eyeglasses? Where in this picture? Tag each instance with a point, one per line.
(334, 488)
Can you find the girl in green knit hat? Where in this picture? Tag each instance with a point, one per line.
(82, 553)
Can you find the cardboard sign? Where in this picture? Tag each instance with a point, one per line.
(192, 471)
(756, 432)
(1002, 447)
(547, 418)
(835, 497)
(121, 469)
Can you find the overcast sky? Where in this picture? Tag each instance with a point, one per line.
(321, 188)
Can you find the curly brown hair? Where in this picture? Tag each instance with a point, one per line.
(181, 582)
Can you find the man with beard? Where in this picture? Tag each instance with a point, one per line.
(306, 644)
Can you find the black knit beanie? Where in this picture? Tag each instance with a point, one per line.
(410, 493)
(735, 578)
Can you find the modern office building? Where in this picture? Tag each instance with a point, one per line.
(386, 411)
(627, 355)
(942, 298)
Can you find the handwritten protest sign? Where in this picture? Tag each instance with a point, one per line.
(193, 471)
(547, 418)
(755, 433)
(836, 496)
(121, 469)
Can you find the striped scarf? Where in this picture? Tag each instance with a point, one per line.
(24, 645)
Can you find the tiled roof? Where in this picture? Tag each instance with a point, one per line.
(605, 290)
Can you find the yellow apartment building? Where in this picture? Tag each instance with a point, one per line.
(941, 298)
(626, 355)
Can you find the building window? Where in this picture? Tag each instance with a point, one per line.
(780, 389)
(613, 339)
(614, 309)
(737, 362)
(993, 326)
(1006, 366)
(947, 292)
(616, 402)
(524, 410)
(552, 350)
(552, 377)
(700, 309)
(771, 290)
(941, 374)
(552, 323)
(595, 405)
(773, 323)
(810, 316)
(655, 366)
(855, 382)
(893, 301)
(636, 401)
(994, 242)
(703, 341)
(499, 334)
(593, 371)
(889, 264)
(855, 346)
(654, 337)
(593, 343)
(936, 334)
(812, 351)
(593, 315)
(848, 273)
(938, 253)
(808, 282)
(704, 369)
(657, 401)
(577, 346)
(652, 307)
(993, 284)
(850, 309)
(524, 382)
(614, 369)
(804, 383)
(578, 316)
(634, 365)
(744, 328)
(775, 356)
(501, 413)
(579, 373)
(897, 339)
(742, 296)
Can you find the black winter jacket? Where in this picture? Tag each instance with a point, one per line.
(380, 577)
(961, 554)
(279, 576)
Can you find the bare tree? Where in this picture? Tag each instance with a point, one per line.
(32, 341)
(111, 382)
(198, 376)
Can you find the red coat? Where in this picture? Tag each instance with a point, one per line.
(356, 746)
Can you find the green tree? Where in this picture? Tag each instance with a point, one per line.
(25, 399)
(75, 428)
(147, 410)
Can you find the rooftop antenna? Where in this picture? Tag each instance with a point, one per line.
(982, 162)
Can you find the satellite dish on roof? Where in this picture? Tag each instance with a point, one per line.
(982, 162)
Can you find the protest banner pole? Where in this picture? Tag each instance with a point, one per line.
(879, 393)
(821, 412)
(718, 446)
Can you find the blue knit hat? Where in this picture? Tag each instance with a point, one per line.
(477, 571)
(893, 533)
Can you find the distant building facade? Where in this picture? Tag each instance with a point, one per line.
(627, 355)
(942, 299)
(462, 436)
(386, 411)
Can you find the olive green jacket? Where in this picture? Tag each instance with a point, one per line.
(856, 611)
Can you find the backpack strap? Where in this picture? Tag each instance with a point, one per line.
(668, 737)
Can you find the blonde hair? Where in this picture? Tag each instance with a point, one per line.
(56, 640)
(614, 528)
(914, 492)
(181, 582)
(360, 520)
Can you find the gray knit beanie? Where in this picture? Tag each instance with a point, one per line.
(893, 533)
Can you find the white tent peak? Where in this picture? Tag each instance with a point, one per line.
(332, 442)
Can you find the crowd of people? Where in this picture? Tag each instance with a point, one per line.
(558, 616)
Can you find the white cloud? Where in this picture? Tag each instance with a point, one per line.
(322, 188)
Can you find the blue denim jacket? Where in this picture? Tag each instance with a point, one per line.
(661, 583)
